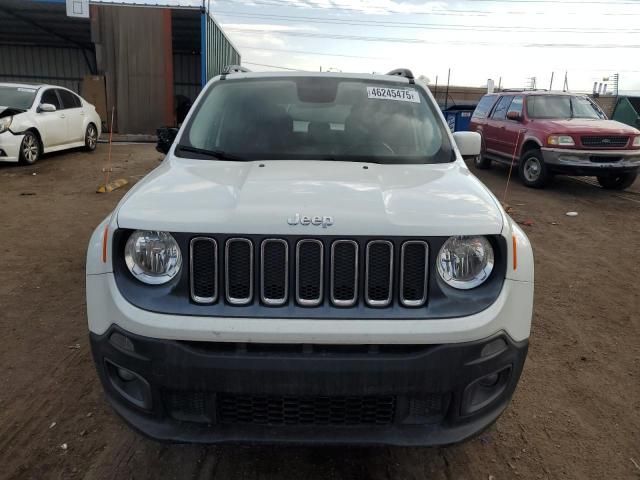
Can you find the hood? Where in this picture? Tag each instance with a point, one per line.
(587, 125)
(10, 111)
(209, 196)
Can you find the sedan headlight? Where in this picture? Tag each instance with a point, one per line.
(465, 262)
(5, 123)
(636, 141)
(561, 140)
(152, 257)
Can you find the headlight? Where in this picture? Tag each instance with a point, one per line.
(152, 257)
(5, 123)
(636, 141)
(561, 140)
(465, 262)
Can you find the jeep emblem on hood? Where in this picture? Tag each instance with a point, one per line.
(305, 220)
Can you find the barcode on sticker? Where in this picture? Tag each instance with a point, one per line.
(399, 94)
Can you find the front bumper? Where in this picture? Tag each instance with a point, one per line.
(591, 162)
(213, 392)
(10, 146)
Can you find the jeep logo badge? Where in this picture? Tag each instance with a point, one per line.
(304, 220)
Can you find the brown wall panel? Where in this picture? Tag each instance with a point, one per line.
(130, 53)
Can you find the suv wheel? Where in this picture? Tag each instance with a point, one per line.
(481, 162)
(618, 181)
(532, 170)
(30, 149)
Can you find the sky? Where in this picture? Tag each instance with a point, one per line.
(509, 41)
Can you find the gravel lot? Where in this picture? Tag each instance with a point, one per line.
(576, 413)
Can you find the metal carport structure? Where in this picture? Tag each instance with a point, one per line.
(154, 58)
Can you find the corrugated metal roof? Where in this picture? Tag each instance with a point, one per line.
(181, 4)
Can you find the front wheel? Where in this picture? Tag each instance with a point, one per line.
(30, 149)
(618, 181)
(91, 138)
(533, 171)
(481, 162)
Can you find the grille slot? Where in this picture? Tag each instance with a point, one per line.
(379, 273)
(274, 270)
(309, 272)
(239, 271)
(344, 273)
(203, 262)
(414, 261)
(605, 141)
(305, 410)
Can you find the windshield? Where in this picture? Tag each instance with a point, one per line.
(17, 97)
(560, 106)
(316, 119)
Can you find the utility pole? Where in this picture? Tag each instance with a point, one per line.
(435, 91)
(551, 82)
(565, 87)
(616, 84)
(446, 95)
(500, 84)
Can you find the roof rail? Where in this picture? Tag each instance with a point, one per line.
(524, 90)
(402, 72)
(234, 69)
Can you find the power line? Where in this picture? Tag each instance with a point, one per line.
(422, 26)
(307, 52)
(273, 66)
(336, 6)
(422, 41)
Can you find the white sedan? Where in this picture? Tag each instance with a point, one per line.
(38, 119)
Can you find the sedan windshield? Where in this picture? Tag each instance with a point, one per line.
(316, 119)
(561, 106)
(17, 97)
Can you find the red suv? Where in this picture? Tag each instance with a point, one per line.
(547, 133)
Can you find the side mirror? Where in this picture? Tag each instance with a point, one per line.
(468, 143)
(47, 107)
(166, 136)
(517, 116)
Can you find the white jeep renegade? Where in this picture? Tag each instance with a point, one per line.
(312, 262)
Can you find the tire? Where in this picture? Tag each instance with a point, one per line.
(618, 181)
(481, 162)
(90, 138)
(532, 170)
(30, 148)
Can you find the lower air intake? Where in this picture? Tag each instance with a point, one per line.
(305, 410)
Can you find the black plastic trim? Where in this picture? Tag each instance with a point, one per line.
(444, 370)
(443, 301)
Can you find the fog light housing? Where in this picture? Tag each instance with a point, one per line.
(126, 375)
(130, 385)
(485, 390)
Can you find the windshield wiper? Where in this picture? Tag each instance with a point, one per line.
(217, 154)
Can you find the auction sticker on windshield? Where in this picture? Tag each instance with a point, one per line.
(399, 94)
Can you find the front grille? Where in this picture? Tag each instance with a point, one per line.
(305, 410)
(379, 276)
(309, 272)
(274, 268)
(413, 276)
(344, 273)
(203, 261)
(239, 271)
(599, 141)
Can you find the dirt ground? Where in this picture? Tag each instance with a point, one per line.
(576, 413)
